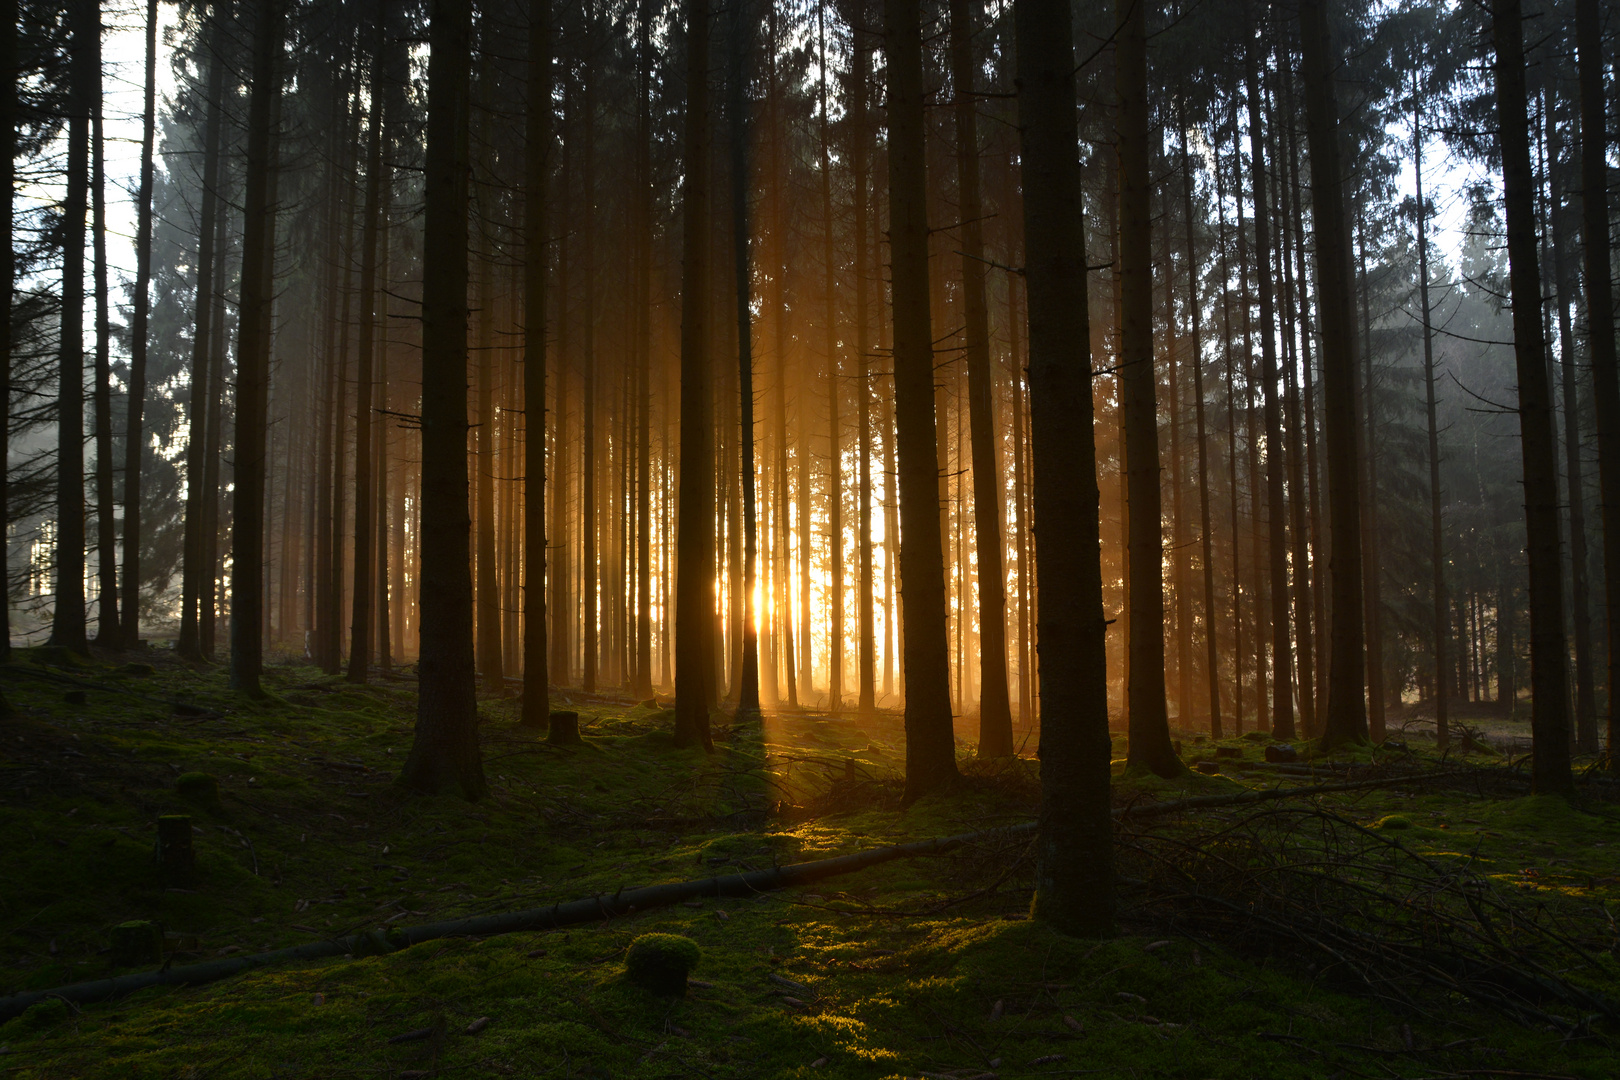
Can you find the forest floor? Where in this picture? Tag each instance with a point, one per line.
(1451, 928)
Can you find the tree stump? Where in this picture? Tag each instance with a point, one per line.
(137, 943)
(1282, 752)
(1228, 751)
(563, 729)
(177, 861)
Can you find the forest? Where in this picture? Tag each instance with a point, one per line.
(884, 539)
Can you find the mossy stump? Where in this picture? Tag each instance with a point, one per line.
(176, 859)
(137, 943)
(660, 963)
(198, 787)
(563, 729)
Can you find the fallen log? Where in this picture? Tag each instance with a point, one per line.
(604, 906)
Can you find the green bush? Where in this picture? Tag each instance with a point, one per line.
(660, 963)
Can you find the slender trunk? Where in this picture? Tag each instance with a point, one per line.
(1599, 280)
(8, 271)
(107, 624)
(536, 160)
(1074, 890)
(748, 680)
(444, 751)
(1346, 719)
(68, 615)
(1579, 558)
(1149, 720)
(643, 198)
(1549, 721)
(1282, 677)
(835, 462)
(257, 291)
(1437, 550)
(995, 710)
(860, 165)
(364, 526)
(930, 740)
(695, 554)
(1231, 448)
(1205, 524)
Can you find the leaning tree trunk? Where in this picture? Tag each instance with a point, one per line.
(444, 753)
(1074, 886)
(995, 709)
(695, 546)
(1346, 719)
(536, 160)
(930, 739)
(134, 437)
(1600, 329)
(68, 618)
(1149, 720)
(252, 361)
(1549, 720)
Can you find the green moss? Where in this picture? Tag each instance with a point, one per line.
(1393, 821)
(660, 963)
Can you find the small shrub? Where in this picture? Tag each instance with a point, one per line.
(660, 963)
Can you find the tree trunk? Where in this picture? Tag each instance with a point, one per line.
(1549, 720)
(1600, 330)
(748, 686)
(84, 77)
(860, 167)
(695, 551)
(1074, 883)
(1282, 678)
(536, 161)
(835, 461)
(930, 739)
(995, 710)
(1231, 444)
(444, 752)
(107, 624)
(1149, 720)
(362, 607)
(1205, 524)
(643, 688)
(8, 275)
(1346, 706)
(1437, 550)
(257, 291)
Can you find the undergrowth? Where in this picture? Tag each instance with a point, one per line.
(920, 967)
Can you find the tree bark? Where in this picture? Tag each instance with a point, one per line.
(536, 196)
(8, 274)
(995, 709)
(68, 615)
(257, 291)
(1149, 720)
(1549, 720)
(1074, 884)
(107, 624)
(860, 168)
(362, 608)
(1282, 677)
(1346, 706)
(1212, 659)
(135, 439)
(444, 751)
(695, 551)
(1437, 550)
(1599, 279)
(930, 738)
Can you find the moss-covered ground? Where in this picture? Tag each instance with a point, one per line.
(910, 969)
